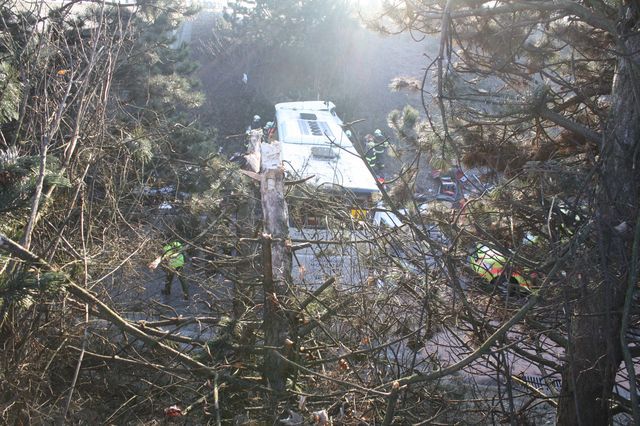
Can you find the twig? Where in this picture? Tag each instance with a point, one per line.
(483, 349)
(106, 421)
(216, 402)
(553, 200)
(129, 361)
(125, 260)
(86, 311)
(391, 405)
(79, 363)
(331, 379)
(317, 293)
(105, 312)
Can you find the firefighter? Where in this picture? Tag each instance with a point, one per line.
(374, 153)
(349, 134)
(172, 261)
(255, 124)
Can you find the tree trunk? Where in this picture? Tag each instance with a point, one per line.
(592, 359)
(246, 218)
(276, 266)
(595, 353)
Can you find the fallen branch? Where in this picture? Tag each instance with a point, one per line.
(104, 311)
(351, 386)
(482, 349)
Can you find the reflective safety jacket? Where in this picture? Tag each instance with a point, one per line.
(491, 265)
(172, 255)
(374, 153)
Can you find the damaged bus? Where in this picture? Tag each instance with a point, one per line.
(315, 148)
(338, 194)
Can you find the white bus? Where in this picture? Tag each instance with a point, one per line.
(337, 196)
(314, 145)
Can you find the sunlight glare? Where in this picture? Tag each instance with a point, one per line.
(368, 8)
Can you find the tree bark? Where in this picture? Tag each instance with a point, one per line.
(595, 351)
(253, 151)
(277, 268)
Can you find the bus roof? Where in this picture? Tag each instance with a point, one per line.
(313, 143)
(309, 123)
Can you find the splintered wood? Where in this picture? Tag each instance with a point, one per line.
(276, 263)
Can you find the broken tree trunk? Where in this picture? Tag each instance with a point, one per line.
(245, 223)
(253, 151)
(277, 268)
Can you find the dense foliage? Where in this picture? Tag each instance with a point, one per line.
(108, 151)
(544, 96)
